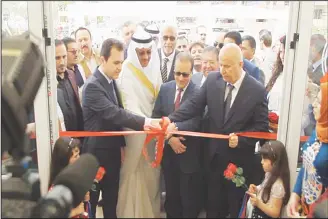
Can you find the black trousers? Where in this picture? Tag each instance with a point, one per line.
(110, 159)
(223, 197)
(183, 192)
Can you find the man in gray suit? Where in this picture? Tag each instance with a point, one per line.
(103, 111)
(210, 62)
(317, 45)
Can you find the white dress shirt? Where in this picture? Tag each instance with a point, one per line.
(147, 120)
(169, 63)
(203, 80)
(316, 65)
(177, 92)
(236, 85)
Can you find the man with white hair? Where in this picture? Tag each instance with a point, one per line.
(139, 83)
(236, 102)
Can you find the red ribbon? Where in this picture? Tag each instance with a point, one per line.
(159, 135)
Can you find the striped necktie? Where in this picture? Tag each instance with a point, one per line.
(164, 70)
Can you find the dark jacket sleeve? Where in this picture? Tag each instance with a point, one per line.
(96, 100)
(193, 107)
(157, 111)
(260, 122)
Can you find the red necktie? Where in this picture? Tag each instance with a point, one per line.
(177, 101)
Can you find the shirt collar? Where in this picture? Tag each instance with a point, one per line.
(107, 78)
(316, 64)
(170, 57)
(237, 84)
(184, 89)
(65, 76)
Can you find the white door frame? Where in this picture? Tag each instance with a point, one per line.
(39, 19)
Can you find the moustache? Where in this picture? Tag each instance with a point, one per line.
(197, 57)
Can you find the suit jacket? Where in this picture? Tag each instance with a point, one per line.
(164, 105)
(249, 112)
(262, 75)
(102, 113)
(316, 75)
(251, 69)
(197, 78)
(62, 102)
(170, 71)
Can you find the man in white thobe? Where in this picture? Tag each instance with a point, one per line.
(139, 83)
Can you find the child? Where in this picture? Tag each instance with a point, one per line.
(66, 151)
(267, 199)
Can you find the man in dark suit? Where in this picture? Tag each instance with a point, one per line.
(236, 103)
(248, 47)
(167, 52)
(67, 90)
(250, 68)
(180, 163)
(103, 111)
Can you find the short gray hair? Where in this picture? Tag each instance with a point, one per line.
(185, 57)
(213, 50)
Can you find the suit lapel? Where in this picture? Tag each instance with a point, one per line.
(106, 85)
(188, 91)
(219, 106)
(238, 102)
(171, 75)
(171, 96)
(118, 97)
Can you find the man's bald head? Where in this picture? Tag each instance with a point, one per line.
(231, 62)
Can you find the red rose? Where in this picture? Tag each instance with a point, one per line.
(232, 168)
(100, 173)
(228, 174)
(273, 117)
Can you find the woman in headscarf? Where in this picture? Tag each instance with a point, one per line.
(312, 179)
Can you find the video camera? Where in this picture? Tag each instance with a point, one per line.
(22, 74)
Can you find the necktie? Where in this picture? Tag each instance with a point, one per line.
(227, 102)
(78, 76)
(111, 85)
(164, 70)
(178, 99)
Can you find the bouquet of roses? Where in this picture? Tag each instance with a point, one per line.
(235, 174)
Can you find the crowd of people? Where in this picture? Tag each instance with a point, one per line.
(222, 88)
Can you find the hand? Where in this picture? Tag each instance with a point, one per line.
(252, 189)
(253, 199)
(233, 140)
(30, 128)
(176, 145)
(122, 154)
(87, 197)
(78, 210)
(292, 206)
(170, 128)
(154, 124)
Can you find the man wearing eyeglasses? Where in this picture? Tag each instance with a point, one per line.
(73, 60)
(181, 162)
(167, 52)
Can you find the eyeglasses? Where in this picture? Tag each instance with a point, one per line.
(218, 44)
(74, 52)
(172, 38)
(184, 74)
